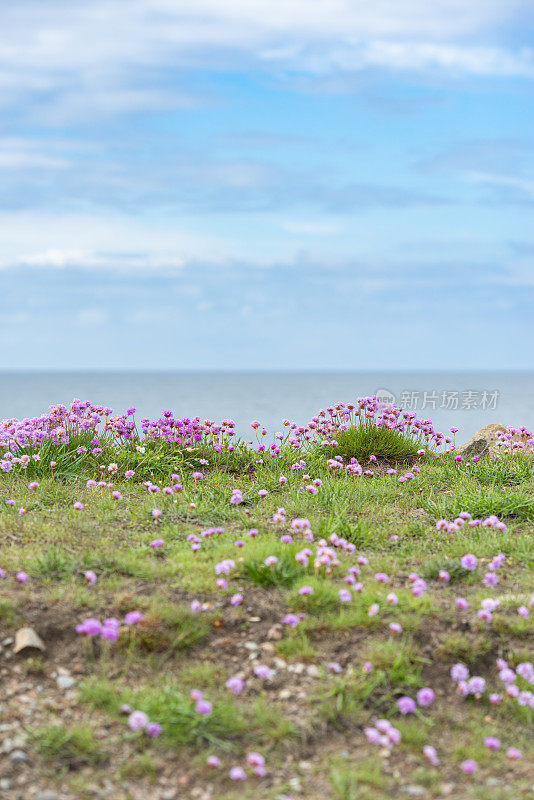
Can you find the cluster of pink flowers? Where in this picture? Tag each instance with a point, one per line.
(108, 629)
(138, 721)
(383, 734)
(465, 518)
(255, 764)
(476, 685)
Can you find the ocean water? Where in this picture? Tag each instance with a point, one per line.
(467, 400)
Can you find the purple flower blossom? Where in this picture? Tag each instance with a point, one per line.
(153, 729)
(425, 697)
(469, 766)
(137, 720)
(213, 761)
(492, 743)
(90, 627)
(133, 617)
(21, 577)
(237, 774)
(429, 753)
(236, 599)
(90, 576)
(469, 561)
(235, 684)
(406, 705)
(203, 707)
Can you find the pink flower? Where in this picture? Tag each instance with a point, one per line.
(153, 729)
(198, 476)
(33, 486)
(255, 760)
(22, 577)
(373, 610)
(90, 576)
(333, 666)
(263, 671)
(235, 684)
(395, 627)
(469, 766)
(116, 495)
(469, 562)
(203, 707)
(392, 599)
(236, 599)
(306, 590)
(133, 617)
(345, 596)
(78, 506)
(513, 753)
(237, 774)
(156, 513)
(406, 705)
(157, 543)
(461, 604)
(425, 697)
(90, 627)
(213, 761)
(381, 577)
(430, 753)
(492, 743)
(137, 720)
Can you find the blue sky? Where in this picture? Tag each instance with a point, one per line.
(277, 184)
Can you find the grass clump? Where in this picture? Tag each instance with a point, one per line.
(73, 747)
(364, 440)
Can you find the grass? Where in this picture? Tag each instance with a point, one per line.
(304, 712)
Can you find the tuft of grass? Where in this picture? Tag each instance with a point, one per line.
(284, 573)
(297, 645)
(468, 649)
(72, 747)
(430, 569)
(362, 441)
(168, 631)
(139, 766)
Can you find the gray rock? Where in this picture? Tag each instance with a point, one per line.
(413, 790)
(18, 757)
(65, 681)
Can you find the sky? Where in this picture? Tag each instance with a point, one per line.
(269, 184)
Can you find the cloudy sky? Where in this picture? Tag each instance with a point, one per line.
(269, 183)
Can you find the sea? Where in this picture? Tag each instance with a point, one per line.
(466, 400)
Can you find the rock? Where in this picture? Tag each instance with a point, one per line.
(18, 757)
(414, 790)
(48, 794)
(275, 632)
(27, 638)
(252, 646)
(65, 681)
(5, 784)
(313, 671)
(284, 694)
(484, 442)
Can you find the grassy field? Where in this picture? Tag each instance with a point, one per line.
(287, 604)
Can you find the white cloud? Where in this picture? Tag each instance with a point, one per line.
(92, 317)
(109, 56)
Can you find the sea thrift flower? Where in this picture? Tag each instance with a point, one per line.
(129, 474)
(22, 577)
(270, 561)
(203, 707)
(513, 753)
(373, 610)
(425, 697)
(461, 603)
(406, 705)
(345, 596)
(306, 590)
(90, 576)
(392, 599)
(492, 743)
(333, 666)
(524, 612)
(262, 671)
(291, 619)
(133, 617)
(430, 753)
(157, 543)
(78, 506)
(237, 774)
(33, 486)
(469, 766)
(235, 684)
(381, 577)
(90, 627)
(195, 606)
(213, 761)
(137, 720)
(236, 599)
(221, 583)
(469, 561)
(443, 575)
(395, 627)
(367, 667)
(156, 513)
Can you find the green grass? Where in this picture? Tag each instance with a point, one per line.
(301, 714)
